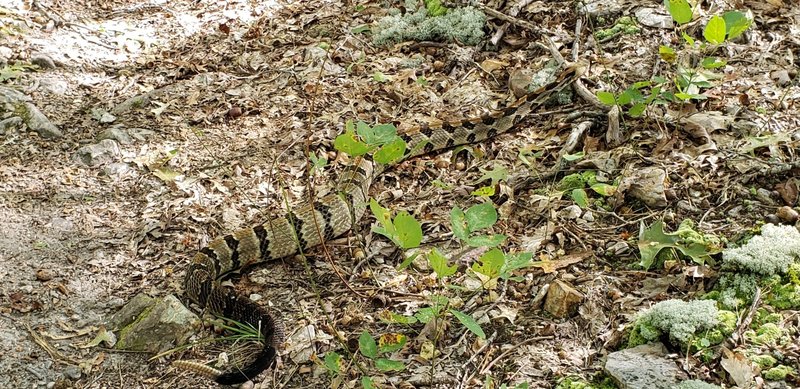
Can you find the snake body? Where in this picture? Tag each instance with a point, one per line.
(313, 222)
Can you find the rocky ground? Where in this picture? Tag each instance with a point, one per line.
(133, 133)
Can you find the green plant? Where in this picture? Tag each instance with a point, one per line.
(576, 184)
(689, 78)
(686, 240)
(373, 352)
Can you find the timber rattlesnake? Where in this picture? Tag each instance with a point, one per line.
(315, 221)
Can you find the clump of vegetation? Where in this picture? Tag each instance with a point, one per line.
(769, 259)
(695, 323)
(657, 246)
(695, 384)
(767, 254)
(431, 23)
(778, 373)
(625, 25)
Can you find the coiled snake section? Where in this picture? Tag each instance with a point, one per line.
(313, 222)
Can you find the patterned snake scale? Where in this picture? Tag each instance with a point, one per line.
(313, 222)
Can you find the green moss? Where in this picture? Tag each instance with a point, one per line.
(435, 8)
(727, 321)
(625, 25)
(785, 296)
(577, 383)
(577, 181)
(463, 25)
(778, 373)
(768, 333)
(695, 384)
(793, 273)
(679, 320)
(763, 361)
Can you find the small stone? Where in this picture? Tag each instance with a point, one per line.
(116, 133)
(5, 54)
(644, 366)
(764, 196)
(72, 372)
(99, 153)
(255, 297)
(571, 212)
(588, 216)
(787, 214)
(43, 60)
(44, 275)
(772, 219)
(39, 123)
(562, 299)
(781, 77)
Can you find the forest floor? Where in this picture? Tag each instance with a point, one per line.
(236, 95)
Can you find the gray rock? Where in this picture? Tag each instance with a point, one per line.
(164, 325)
(43, 60)
(571, 212)
(72, 372)
(116, 169)
(99, 153)
(102, 115)
(643, 366)
(116, 133)
(140, 134)
(10, 123)
(653, 17)
(39, 123)
(765, 196)
(646, 184)
(130, 311)
(5, 54)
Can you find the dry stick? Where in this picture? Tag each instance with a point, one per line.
(464, 377)
(513, 11)
(512, 349)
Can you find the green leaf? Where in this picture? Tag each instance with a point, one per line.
(407, 261)
(384, 364)
(391, 342)
(637, 109)
(367, 345)
(606, 98)
(667, 53)
(380, 77)
(485, 240)
(424, 315)
(360, 29)
(390, 317)
(317, 163)
(383, 134)
(490, 263)
(484, 191)
(580, 197)
(439, 264)
(712, 63)
(515, 262)
(604, 189)
(481, 216)
(573, 157)
(736, 23)
(367, 383)
(391, 152)
(653, 239)
(689, 40)
(458, 221)
(641, 84)
(680, 10)
(469, 322)
(384, 218)
(333, 362)
(715, 30)
(497, 174)
(409, 231)
(349, 144)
